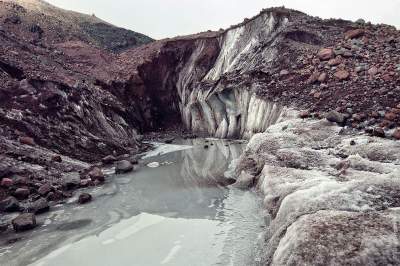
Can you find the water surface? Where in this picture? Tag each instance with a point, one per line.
(175, 209)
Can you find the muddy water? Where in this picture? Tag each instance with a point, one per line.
(175, 209)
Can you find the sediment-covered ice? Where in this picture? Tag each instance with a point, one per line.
(333, 197)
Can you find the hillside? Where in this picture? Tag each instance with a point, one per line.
(36, 20)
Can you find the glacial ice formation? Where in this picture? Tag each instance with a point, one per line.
(333, 198)
(210, 106)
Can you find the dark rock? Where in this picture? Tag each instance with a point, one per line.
(396, 134)
(84, 198)
(71, 180)
(25, 221)
(39, 206)
(379, 132)
(342, 74)
(123, 166)
(96, 174)
(322, 77)
(56, 158)
(169, 140)
(109, 159)
(27, 141)
(206, 146)
(7, 182)
(326, 54)
(336, 117)
(3, 227)
(44, 189)
(304, 114)
(9, 204)
(21, 180)
(351, 34)
(22, 193)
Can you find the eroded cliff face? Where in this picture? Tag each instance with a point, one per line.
(190, 77)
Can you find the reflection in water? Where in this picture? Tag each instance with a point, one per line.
(183, 196)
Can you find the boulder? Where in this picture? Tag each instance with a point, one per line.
(396, 134)
(44, 189)
(109, 159)
(23, 222)
(352, 34)
(342, 74)
(378, 132)
(96, 174)
(322, 77)
(3, 227)
(169, 140)
(336, 117)
(27, 141)
(22, 193)
(390, 116)
(84, 198)
(373, 71)
(123, 166)
(335, 61)
(9, 204)
(71, 180)
(326, 54)
(56, 158)
(39, 206)
(7, 182)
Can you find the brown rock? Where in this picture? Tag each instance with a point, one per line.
(352, 34)
(336, 61)
(96, 174)
(27, 141)
(304, 114)
(326, 54)
(390, 116)
(395, 111)
(22, 193)
(24, 222)
(284, 72)
(342, 74)
(7, 182)
(313, 78)
(379, 132)
(56, 158)
(44, 190)
(396, 134)
(373, 71)
(109, 159)
(84, 198)
(322, 77)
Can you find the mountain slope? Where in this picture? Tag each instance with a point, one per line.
(39, 21)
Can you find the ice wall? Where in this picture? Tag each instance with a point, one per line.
(227, 109)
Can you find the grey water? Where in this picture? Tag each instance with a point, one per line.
(174, 209)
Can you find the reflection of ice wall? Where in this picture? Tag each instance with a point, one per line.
(233, 112)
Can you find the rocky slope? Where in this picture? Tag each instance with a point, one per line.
(58, 100)
(38, 21)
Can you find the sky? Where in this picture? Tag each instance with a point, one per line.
(168, 18)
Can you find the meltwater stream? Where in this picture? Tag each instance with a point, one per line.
(173, 210)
